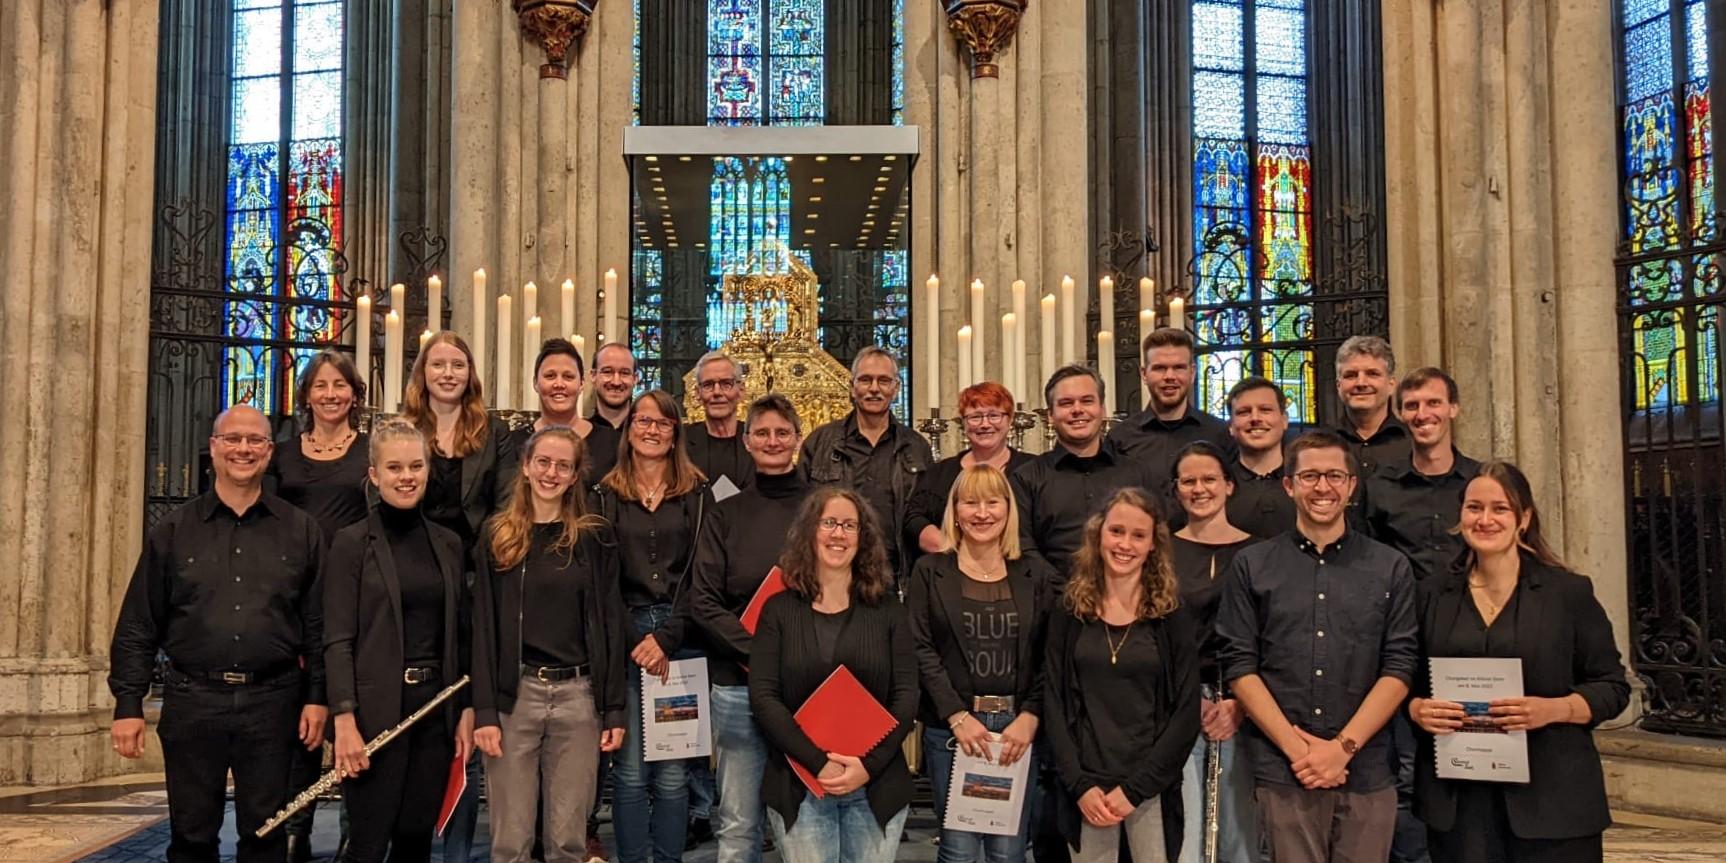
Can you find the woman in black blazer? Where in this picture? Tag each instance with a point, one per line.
(977, 614)
(1510, 597)
(1122, 688)
(472, 457)
(837, 610)
(395, 634)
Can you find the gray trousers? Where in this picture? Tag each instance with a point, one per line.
(550, 751)
(1144, 837)
(1327, 826)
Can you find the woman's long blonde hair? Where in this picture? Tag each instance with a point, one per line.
(510, 530)
(682, 476)
(981, 482)
(472, 426)
(1160, 593)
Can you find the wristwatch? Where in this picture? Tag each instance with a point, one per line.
(1348, 745)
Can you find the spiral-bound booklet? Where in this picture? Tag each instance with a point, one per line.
(1480, 750)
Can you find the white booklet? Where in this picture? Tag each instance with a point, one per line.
(676, 716)
(1479, 750)
(983, 796)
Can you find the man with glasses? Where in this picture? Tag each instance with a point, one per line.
(613, 388)
(227, 586)
(1318, 631)
(870, 452)
(714, 444)
(1170, 421)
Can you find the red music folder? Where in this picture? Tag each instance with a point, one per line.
(452, 791)
(841, 716)
(771, 586)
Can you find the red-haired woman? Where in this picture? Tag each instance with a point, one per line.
(986, 418)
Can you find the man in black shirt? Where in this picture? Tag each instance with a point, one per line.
(1365, 380)
(1318, 630)
(1413, 504)
(613, 387)
(227, 586)
(1170, 421)
(715, 444)
(1258, 419)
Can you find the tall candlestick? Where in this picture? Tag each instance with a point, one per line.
(1147, 294)
(392, 361)
(566, 323)
(505, 396)
(1017, 348)
(1147, 323)
(1047, 314)
(1178, 313)
(611, 333)
(1106, 369)
(529, 353)
(1106, 304)
(931, 360)
(425, 336)
(480, 302)
(979, 326)
(434, 304)
(965, 356)
(529, 305)
(580, 342)
(363, 339)
(398, 298)
(1009, 337)
(1069, 326)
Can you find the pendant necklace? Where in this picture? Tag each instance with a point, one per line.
(1115, 649)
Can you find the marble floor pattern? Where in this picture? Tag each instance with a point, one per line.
(124, 820)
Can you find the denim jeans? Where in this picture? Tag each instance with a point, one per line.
(1409, 844)
(458, 836)
(649, 799)
(837, 829)
(1237, 814)
(960, 846)
(742, 755)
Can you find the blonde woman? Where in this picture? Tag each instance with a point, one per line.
(978, 623)
(1122, 688)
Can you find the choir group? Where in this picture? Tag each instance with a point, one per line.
(1200, 638)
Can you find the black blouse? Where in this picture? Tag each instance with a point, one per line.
(332, 492)
(656, 547)
(422, 584)
(1125, 714)
(1202, 570)
(553, 627)
(443, 497)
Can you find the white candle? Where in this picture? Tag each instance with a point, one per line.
(1147, 294)
(566, 324)
(580, 343)
(424, 337)
(965, 356)
(1106, 368)
(529, 304)
(1069, 330)
(434, 304)
(1047, 314)
(480, 302)
(504, 395)
(529, 353)
(1017, 348)
(1009, 337)
(931, 360)
(363, 340)
(1178, 313)
(611, 333)
(979, 326)
(1147, 323)
(392, 361)
(398, 298)
(1106, 304)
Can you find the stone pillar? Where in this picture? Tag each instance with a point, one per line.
(77, 147)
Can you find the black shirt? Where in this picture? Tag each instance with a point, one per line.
(1388, 445)
(874, 466)
(928, 503)
(1416, 514)
(1058, 490)
(422, 584)
(656, 547)
(442, 501)
(1260, 505)
(1149, 439)
(1125, 710)
(1202, 570)
(553, 624)
(602, 443)
(828, 627)
(991, 635)
(1321, 629)
(332, 492)
(720, 456)
(218, 591)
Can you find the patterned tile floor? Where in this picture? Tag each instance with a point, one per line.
(124, 820)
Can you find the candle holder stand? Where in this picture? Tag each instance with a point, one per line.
(515, 420)
(368, 417)
(1110, 421)
(1048, 422)
(934, 428)
(1023, 421)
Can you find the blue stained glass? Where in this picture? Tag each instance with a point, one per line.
(1221, 174)
(257, 110)
(1638, 11)
(1648, 60)
(1217, 37)
(898, 62)
(317, 37)
(317, 104)
(734, 27)
(1280, 40)
(1696, 39)
(1282, 110)
(798, 91)
(798, 28)
(1219, 105)
(734, 94)
(257, 43)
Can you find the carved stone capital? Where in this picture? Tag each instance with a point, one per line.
(557, 25)
(985, 27)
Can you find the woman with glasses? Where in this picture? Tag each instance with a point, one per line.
(654, 499)
(978, 620)
(1203, 550)
(396, 632)
(986, 415)
(549, 655)
(837, 609)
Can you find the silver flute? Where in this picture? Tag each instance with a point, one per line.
(1213, 785)
(329, 780)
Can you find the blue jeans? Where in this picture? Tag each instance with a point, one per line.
(837, 829)
(1237, 814)
(660, 826)
(959, 846)
(458, 836)
(742, 755)
(1409, 844)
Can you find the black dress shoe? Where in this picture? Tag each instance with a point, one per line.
(700, 831)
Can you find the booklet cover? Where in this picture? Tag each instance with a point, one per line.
(771, 586)
(983, 796)
(1480, 750)
(453, 788)
(840, 716)
(676, 715)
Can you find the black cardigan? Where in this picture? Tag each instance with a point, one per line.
(1158, 773)
(1565, 643)
(785, 668)
(486, 476)
(936, 603)
(497, 630)
(363, 624)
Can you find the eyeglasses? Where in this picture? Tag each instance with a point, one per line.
(833, 525)
(885, 382)
(774, 434)
(653, 424)
(717, 384)
(1310, 478)
(249, 441)
(553, 467)
(993, 418)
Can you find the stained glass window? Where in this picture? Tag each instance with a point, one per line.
(766, 62)
(1669, 202)
(1252, 199)
(898, 62)
(284, 194)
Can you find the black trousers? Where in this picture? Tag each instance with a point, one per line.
(1482, 834)
(208, 729)
(393, 807)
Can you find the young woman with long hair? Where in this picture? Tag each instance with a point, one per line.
(1122, 690)
(549, 654)
(838, 609)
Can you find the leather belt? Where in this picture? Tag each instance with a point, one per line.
(555, 673)
(237, 677)
(991, 704)
(413, 675)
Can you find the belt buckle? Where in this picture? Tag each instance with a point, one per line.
(234, 678)
(540, 673)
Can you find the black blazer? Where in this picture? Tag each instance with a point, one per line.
(1158, 772)
(1565, 643)
(497, 595)
(785, 668)
(487, 475)
(936, 606)
(363, 624)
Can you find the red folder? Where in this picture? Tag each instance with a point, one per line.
(771, 586)
(841, 716)
(452, 791)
